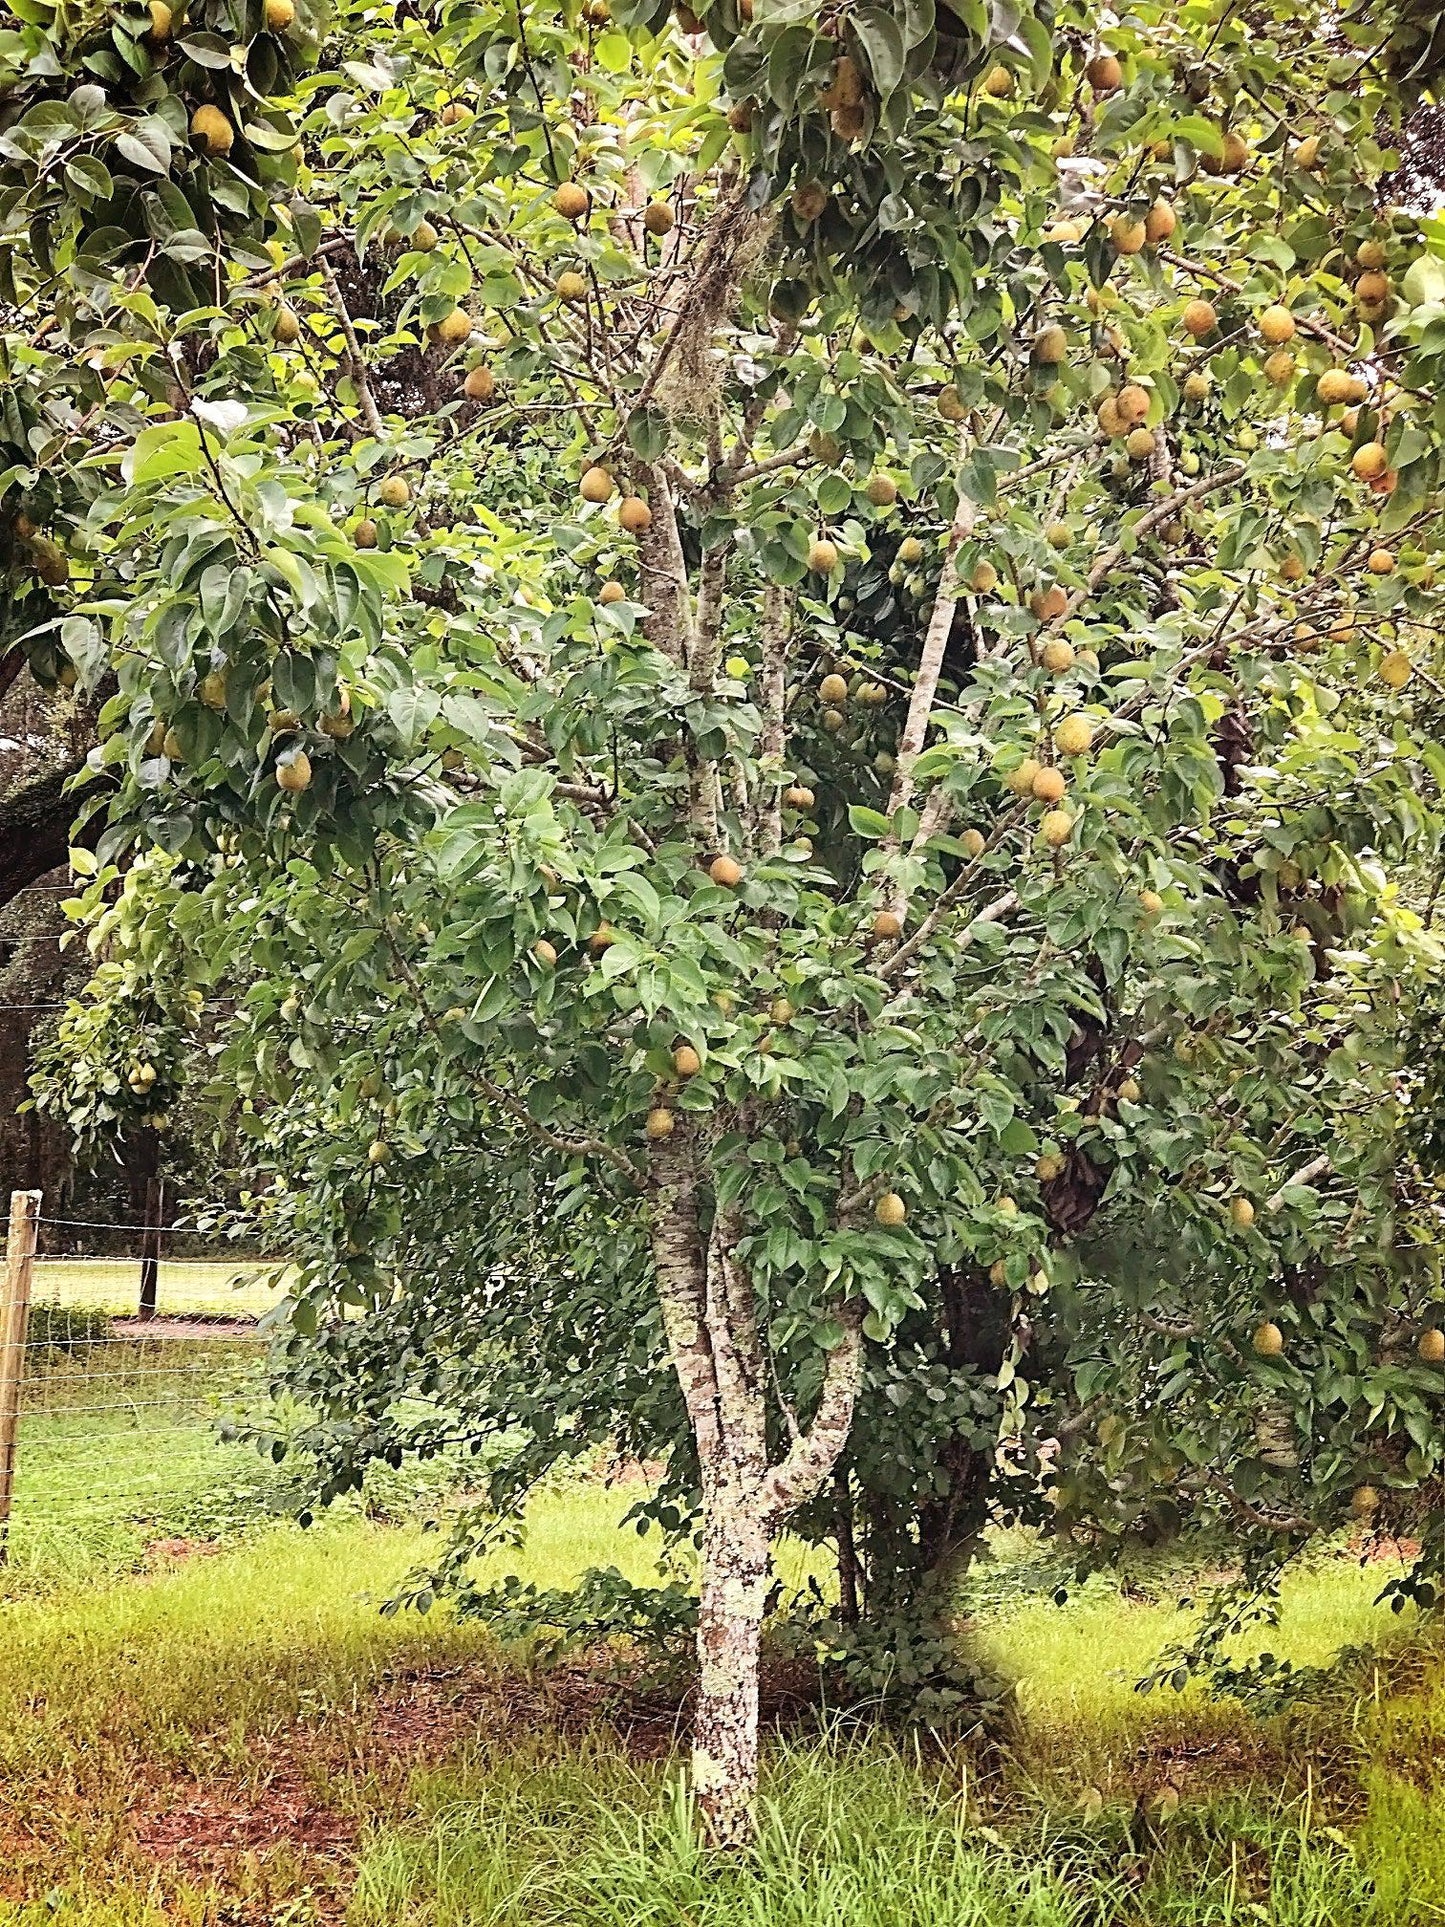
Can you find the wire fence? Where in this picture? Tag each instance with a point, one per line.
(236, 1291)
(111, 1435)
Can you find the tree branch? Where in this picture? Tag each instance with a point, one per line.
(1307, 1174)
(679, 1262)
(354, 355)
(935, 643)
(707, 630)
(814, 1454)
(35, 829)
(660, 560)
(1151, 519)
(1316, 328)
(1269, 1521)
(772, 741)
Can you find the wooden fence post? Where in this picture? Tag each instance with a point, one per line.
(14, 1318)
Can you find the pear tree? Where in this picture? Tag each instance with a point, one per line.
(804, 640)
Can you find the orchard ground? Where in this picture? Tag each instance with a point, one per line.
(208, 1720)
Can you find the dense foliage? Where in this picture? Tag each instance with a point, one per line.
(789, 661)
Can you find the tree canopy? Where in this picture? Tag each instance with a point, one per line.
(788, 657)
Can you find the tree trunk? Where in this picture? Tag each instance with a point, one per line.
(850, 1574)
(711, 1314)
(143, 1174)
(729, 1637)
(150, 1245)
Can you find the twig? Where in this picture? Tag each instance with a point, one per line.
(1150, 520)
(1307, 1174)
(354, 354)
(1269, 1521)
(1315, 328)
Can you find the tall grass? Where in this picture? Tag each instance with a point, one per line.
(852, 1834)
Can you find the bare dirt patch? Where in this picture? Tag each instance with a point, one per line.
(146, 1329)
(172, 1552)
(277, 1839)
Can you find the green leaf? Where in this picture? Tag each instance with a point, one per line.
(170, 448)
(613, 51)
(413, 710)
(90, 176)
(648, 432)
(1424, 280)
(833, 494)
(788, 62)
(1201, 134)
(206, 49)
(271, 140)
(883, 48)
(870, 823)
(147, 145)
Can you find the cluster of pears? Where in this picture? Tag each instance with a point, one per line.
(835, 693)
(573, 202)
(392, 492)
(142, 1076)
(1121, 415)
(598, 485)
(1044, 781)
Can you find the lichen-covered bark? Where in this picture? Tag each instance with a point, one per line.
(729, 1638)
(710, 1313)
(709, 1303)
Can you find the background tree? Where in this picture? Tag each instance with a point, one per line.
(970, 708)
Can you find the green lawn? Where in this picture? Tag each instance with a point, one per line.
(237, 1737)
(119, 1446)
(210, 1288)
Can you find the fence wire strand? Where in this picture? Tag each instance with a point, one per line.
(120, 1412)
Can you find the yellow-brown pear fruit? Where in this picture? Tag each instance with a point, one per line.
(211, 128)
(1199, 317)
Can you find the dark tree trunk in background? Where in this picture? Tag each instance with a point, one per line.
(35, 822)
(147, 1199)
(976, 1337)
(44, 740)
(34, 973)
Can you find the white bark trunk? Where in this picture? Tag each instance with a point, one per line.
(729, 1638)
(711, 1316)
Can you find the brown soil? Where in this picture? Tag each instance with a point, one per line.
(288, 1825)
(173, 1552)
(148, 1329)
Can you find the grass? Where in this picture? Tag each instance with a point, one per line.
(243, 1738)
(119, 1447)
(851, 1835)
(210, 1288)
(1076, 1667)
